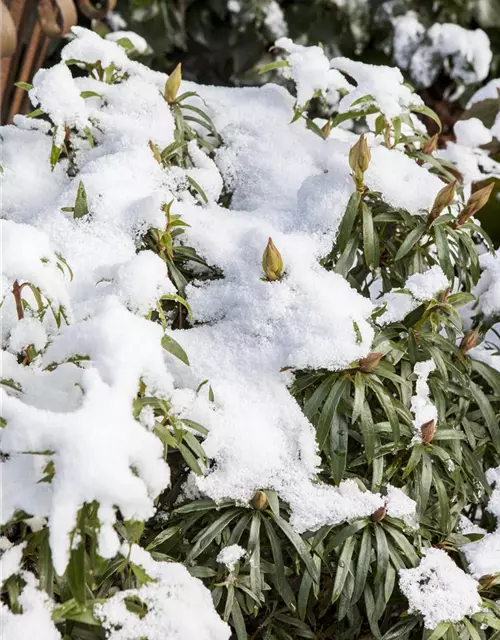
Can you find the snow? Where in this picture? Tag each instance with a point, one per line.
(142, 281)
(56, 94)
(403, 184)
(231, 555)
(483, 556)
(28, 331)
(247, 334)
(408, 33)
(425, 286)
(385, 85)
(421, 406)
(487, 92)
(418, 288)
(400, 505)
(10, 561)
(35, 621)
(274, 19)
(472, 133)
(171, 600)
(488, 287)
(310, 69)
(138, 42)
(464, 54)
(473, 162)
(439, 590)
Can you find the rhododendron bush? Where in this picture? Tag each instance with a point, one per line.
(250, 382)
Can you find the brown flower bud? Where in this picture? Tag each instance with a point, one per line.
(173, 83)
(326, 128)
(359, 156)
(431, 144)
(370, 362)
(272, 262)
(259, 501)
(428, 430)
(443, 199)
(379, 514)
(444, 295)
(476, 202)
(469, 340)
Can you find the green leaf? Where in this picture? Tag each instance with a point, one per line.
(163, 536)
(359, 396)
(198, 189)
(363, 565)
(382, 554)
(488, 413)
(473, 633)
(343, 567)
(277, 64)
(443, 502)
(173, 347)
(211, 532)
(55, 152)
(401, 629)
(339, 435)
(439, 631)
(329, 409)
(443, 251)
(76, 575)
(347, 223)
(300, 546)
(353, 114)
(318, 397)
(281, 583)
(45, 566)
(387, 405)
(409, 242)
(405, 546)
(370, 239)
(81, 207)
(254, 552)
(24, 85)
(368, 431)
(90, 94)
(238, 621)
(458, 300)
(492, 376)
(341, 536)
(427, 112)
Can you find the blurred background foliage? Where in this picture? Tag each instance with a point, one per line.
(223, 41)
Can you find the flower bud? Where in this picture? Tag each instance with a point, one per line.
(428, 430)
(469, 340)
(368, 364)
(173, 83)
(379, 514)
(259, 501)
(326, 128)
(359, 156)
(272, 262)
(443, 199)
(431, 144)
(476, 202)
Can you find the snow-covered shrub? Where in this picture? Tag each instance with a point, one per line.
(232, 341)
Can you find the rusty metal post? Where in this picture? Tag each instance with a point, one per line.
(34, 23)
